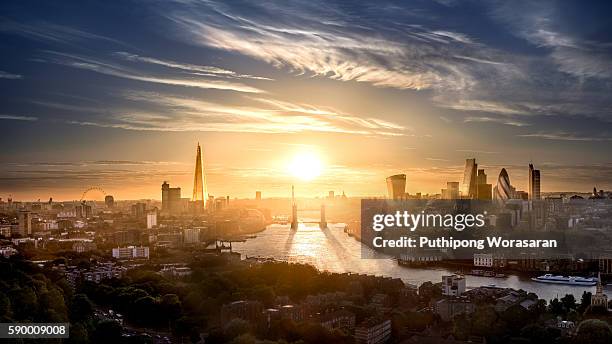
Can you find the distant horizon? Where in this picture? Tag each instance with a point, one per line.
(326, 95)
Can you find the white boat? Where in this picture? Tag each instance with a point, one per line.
(571, 280)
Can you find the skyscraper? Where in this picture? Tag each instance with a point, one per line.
(396, 186)
(470, 186)
(25, 223)
(503, 191)
(484, 189)
(171, 199)
(534, 183)
(200, 193)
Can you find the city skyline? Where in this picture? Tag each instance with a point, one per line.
(411, 88)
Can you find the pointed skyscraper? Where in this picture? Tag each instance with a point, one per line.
(200, 192)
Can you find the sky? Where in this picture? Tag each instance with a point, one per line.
(118, 94)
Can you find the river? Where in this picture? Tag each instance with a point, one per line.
(333, 250)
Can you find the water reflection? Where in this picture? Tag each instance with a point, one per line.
(332, 250)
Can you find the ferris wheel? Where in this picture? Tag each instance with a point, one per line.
(91, 190)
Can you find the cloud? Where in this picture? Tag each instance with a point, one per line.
(506, 121)
(539, 24)
(169, 112)
(195, 69)
(6, 75)
(324, 41)
(476, 151)
(18, 118)
(50, 32)
(568, 136)
(117, 70)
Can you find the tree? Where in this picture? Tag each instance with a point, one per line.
(81, 308)
(235, 328)
(171, 306)
(585, 301)
(78, 334)
(556, 307)
(108, 331)
(569, 302)
(594, 331)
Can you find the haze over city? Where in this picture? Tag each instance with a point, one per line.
(118, 95)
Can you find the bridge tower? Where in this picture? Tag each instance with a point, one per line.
(323, 223)
(294, 217)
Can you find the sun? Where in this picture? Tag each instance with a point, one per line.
(305, 166)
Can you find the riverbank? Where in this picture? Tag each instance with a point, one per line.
(333, 250)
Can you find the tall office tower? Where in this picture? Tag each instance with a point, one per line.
(258, 195)
(484, 189)
(294, 218)
(25, 223)
(139, 209)
(200, 193)
(109, 201)
(171, 199)
(451, 191)
(503, 191)
(470, 186)
(396, 186)
(534, 183)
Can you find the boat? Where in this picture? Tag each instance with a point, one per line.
(571, 280)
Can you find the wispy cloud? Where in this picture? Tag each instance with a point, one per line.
(179, 113)
(6, 75)
(117, 70)
(51, 32)
(323, 41)
(500, 120)
(567, 136)
(476, 151)
(538, 23)
(18, 118)
(194, 69)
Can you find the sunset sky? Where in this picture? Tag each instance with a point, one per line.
(118, 95)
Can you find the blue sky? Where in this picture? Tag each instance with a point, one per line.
(118, 94)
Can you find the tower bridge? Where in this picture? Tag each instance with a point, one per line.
(294, 214)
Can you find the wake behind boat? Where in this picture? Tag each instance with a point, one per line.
(570, 280)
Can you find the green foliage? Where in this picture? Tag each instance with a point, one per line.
(593, 331)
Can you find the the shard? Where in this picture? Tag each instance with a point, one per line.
(200, 193)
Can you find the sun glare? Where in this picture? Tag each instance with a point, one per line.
(305, 166)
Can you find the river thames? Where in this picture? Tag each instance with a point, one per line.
(333, 250)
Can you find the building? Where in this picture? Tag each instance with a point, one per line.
(139, 210)
(250, 311)
(447, 309)
(83, 246)
(191, 235)
(534, 183)
(396, 186)
(25, 223)
(7, 251)
(83, 210)
(200, 192)
(599, 298)
(483, 260)
(484, 190)
(340, 319)
(470, 186)
(451, 191)
(171, 199)
(373, 330)
(453, 285)
(503, 191)
(131, 252)
(109, 201)
(258, 195)
(152, 219)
